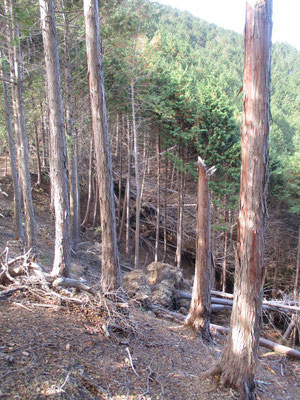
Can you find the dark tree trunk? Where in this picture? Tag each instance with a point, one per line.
(238, 360)
(199, 314)
(111, 274)
(58, 158)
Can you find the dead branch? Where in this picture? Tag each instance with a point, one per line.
(267, 305)
(6, 293)
(279, 348)
(130, 361)
(73, 283)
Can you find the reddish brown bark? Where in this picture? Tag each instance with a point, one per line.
(199, 314)
(238, 361)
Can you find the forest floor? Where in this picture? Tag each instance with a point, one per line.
(61, 352)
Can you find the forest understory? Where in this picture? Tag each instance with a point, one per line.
(57, 349)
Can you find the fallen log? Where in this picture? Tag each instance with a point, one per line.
(73, 283)
(279, 348)
(267, 305)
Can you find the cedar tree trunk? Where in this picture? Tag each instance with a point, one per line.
(238, 361)
(199, 314)
(58, 155)
(111, 275)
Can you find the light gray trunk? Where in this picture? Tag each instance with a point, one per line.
(18, 228)
(72, 159)
(136, 158)
(58, 156)
(90, 185)
(20, 128)
(128, 188)
(158, 200)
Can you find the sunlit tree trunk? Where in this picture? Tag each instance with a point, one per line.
(72, 158)
(90, 185)
(158, 199)
(44, 150)
(18, 228)
(58, 157)
(136, 157)
(180, 188)
(199, 313)
(165, 212)
(128, 189)
(111, 274)
(20, 124)
(238, 360)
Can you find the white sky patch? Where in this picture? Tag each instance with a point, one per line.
(230, 14)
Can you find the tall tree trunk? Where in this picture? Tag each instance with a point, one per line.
(225, 248)
(128, 188)
(165, 212)
(136, 157)
(111, 274)
(16, 64)
(158, 199)
(58, 159)
(18, 228)
(119, 152)
(37, 145)
(90, 185)
(199, 313)
(72, 159)
(178, 255)
(44, 150)
(277, 262)
(96, 202)
(238, 360)
(145, 162)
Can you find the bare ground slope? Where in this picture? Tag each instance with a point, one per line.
(62, 352)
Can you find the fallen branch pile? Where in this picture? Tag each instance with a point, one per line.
(24, 274)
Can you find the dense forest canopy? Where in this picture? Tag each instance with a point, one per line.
(188, 80)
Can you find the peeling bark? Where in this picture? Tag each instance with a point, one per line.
(237, 363)
(199, 313)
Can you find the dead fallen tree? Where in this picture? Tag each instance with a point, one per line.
(267, 305)
(279, 348)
